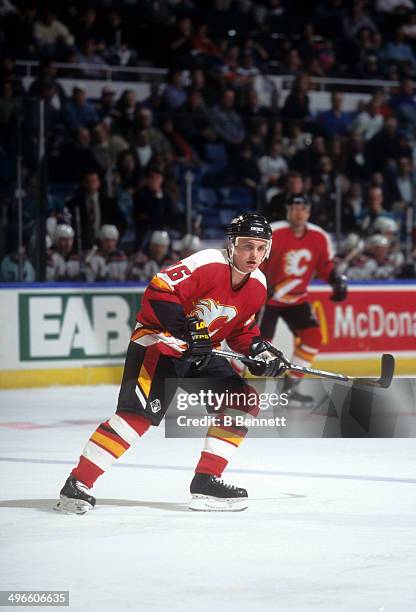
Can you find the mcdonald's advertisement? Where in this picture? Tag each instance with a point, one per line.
(374, 318)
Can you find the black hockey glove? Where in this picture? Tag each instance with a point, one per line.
(199, 342)
(339, 286)
(271, 361)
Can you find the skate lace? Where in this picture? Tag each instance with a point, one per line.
(82, 486)
(225, 484)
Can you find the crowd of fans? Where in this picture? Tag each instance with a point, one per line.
(117, 165)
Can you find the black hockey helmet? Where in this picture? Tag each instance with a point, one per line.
(249, 225)
(298, 198)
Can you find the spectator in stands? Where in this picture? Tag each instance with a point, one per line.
(403, 183)
(174, 94)
(253, 109)
(127, 111)
(145, 264)
(258, 137)
(47, 72)
(86, 27)
(203, 46)
(386, 146)
(107, 262)
(354, 201)
(75, 158)
(306, 160)
(182, 152)
(90, 209)
(51, 35)
(373, 211)
(199, 83)
(156, 139)
(142, 148)
(226, 122)
(194, 123)
(335, 122)
(276, 208)
(106, 106)
(181, 44)
(272, 167)
(80, 113)
(106, 147)
(296, 106)
(292, 64)
(88, 56)
(244, 168)
(64, 264)
(404, 105)
(400, 53)
(152, 206)
(370, 120)
(356, 21)
(357, 165)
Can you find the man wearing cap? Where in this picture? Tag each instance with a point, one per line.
(187, 309)
(300, 250)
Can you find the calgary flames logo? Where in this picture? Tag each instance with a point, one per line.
(214, 314)
(293, 259)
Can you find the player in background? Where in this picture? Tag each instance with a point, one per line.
(63, 263)
(145, 264)
(300, 250)
(106, 262)
(349, 250)
(187, 309)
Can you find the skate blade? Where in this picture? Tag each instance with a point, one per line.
(207, 503)
(66, 505)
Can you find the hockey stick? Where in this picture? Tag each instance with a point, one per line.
(386, 376)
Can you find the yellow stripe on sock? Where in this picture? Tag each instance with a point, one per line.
(227, 436)
(114, 447)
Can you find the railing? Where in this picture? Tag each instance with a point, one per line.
(149, 73)
(109, 72)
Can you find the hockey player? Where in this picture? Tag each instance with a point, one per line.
(63, 264)
(145, 264)
(106, 263)
(350, 248)
(187, 309)
(299, 251)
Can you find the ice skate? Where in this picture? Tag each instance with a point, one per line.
(74, 498)
(210, 494)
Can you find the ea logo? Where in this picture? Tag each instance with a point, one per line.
(295, 262)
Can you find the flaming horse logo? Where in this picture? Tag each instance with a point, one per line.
(214, 314)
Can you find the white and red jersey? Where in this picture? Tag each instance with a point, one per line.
(201, 285)
(294, 261)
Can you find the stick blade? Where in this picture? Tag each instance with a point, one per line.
(387, 370)
(386, 374)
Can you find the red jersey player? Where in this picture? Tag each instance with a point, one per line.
(187, 309)
(300, 250)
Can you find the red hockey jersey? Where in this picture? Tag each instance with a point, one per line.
(201, 285)
(294, 261)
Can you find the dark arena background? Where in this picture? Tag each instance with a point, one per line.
(132, 134)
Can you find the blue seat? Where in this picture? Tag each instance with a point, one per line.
(207, 197)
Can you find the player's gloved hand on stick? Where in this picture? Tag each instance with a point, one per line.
(199, 342)
(269, 360)
(339, 286)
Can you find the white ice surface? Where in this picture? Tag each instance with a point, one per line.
(330, 528)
